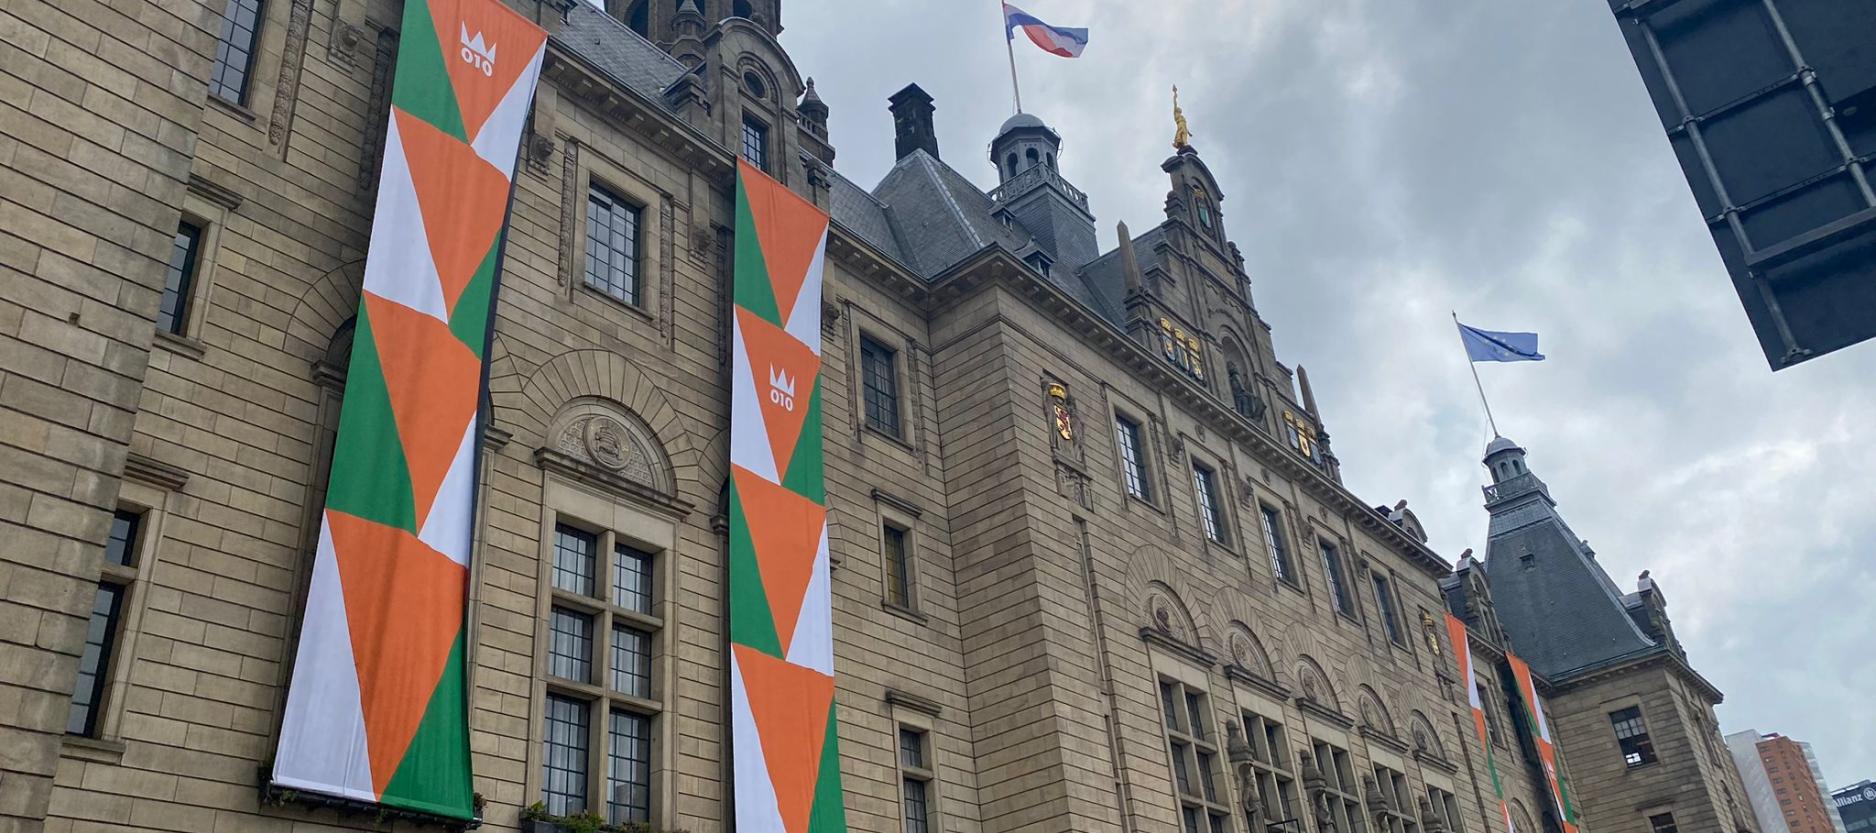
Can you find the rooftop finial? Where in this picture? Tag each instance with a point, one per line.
(1182, 134)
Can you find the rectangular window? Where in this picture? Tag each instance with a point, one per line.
(1341, 791)
(1445, 808)
(1273, 538)
(1488, 700)
(917, 775)
(1338, 584)
(631, 661)
(612, 262)
(1191, 744)
(1270, 768)
(1631, 734)
(1662, 823)
(172, 313)
(898, 566)
(631, 579)
(234, 52)
(95, 663)
(628, 769)
(574, 554)
(101, 633)
(1205, 486)
(1384, 600)
(1132, 458)
(563, 756)
(879, 377)
(756, 142)
(1399, 815)
(570, 645)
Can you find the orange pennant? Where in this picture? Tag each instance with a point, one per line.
(785, 529)
(790, 704)
(404, 609)
(463, 200)
(785, 372)
(790, 230)
(433, 380)
(486, 46)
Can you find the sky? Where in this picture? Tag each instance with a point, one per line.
(1385, 163)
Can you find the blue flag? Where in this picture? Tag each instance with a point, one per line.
(1489, 346)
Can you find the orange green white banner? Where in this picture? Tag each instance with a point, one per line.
(376, 710)
(1462, 652)
(1546, 746)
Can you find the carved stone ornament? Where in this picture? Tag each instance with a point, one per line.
(605, 443)
(1162, 618)
(1420, 740)
(1240, 651)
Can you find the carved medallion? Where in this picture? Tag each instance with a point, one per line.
(605, 443)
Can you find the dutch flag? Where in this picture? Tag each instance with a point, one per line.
(1056, 40)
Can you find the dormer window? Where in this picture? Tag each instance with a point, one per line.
(1203, 204)
(1039, 262)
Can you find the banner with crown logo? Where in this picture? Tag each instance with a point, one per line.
(783, 727)
(1539, 725)
(377, 710)
(1462, 652)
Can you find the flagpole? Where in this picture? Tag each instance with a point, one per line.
(1009, 47)
(1474, 367)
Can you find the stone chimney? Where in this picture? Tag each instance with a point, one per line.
(912, 125)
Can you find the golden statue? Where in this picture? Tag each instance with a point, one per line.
(1182, 135)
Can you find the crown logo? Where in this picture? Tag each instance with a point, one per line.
(476, 53)
(781, 389)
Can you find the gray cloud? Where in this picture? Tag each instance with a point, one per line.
(1386, 162)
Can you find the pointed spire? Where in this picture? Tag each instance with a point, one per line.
(1129, 267)
(813, 110)
(1309, 396)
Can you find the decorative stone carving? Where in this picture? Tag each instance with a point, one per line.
(343, 42)
(292, 60)
(383, 63)
(540, 152)
(605, 442)
(569, 193)
(609, 438)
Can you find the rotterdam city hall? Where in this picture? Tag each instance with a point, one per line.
(1092, 565)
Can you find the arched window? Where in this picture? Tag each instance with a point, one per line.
(639, 18)
(1051, 161)
(1032, 156)
(1203, 203)
(1011, 163)
(742, 8)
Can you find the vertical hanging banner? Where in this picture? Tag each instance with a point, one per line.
(783, 732)
(376, 710)
(1546, 747)
(1462, 651)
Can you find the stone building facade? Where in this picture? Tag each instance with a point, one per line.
(1634, 715)
(1095, 569)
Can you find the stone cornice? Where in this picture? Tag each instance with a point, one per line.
(1238, 673)
(1324, 712)
(908, 700)
(154, 472)
(568, 466)
(1646, 658)
(1202, 657)
(628, 109)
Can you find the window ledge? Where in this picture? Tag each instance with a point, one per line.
(1291, 584)
(181, 345)
(902, 611)
(1221, 546)
(233, 109)
(1140, 500)
(895, 439)
(635, 309)
(101, 750)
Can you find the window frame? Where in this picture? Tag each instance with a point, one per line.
(1273, 763)
(1387, 606)
(1446, 806)
(1130, 449)
(1195, 752)
(245, 94)
(1643, 749)
(1210, 499)
(908, 555)
(1655, 825)
(629, 530)
(870, 349)
(114, 675)
(634, 295)
(653, 233)
(924, 773)
(1341, 786)
(1335, 578)
(1402, 814)
(764, 137)
(1282, 561)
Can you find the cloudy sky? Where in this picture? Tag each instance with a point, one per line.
(1386, 162)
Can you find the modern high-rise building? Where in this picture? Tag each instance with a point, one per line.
(1634, 714)
(1856, 806)
(1770, 106)
(1784, 783)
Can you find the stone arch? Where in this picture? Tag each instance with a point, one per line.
(529, 405)
(1167, 613)
(611, 436)
(1246, 651)
(1314, 683)
(1423, 735)
(322, 308)
(1148, 566)
(1521, 816)
(1373, 710)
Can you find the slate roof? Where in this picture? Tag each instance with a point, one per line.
(1560, 608)
(614, 49)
